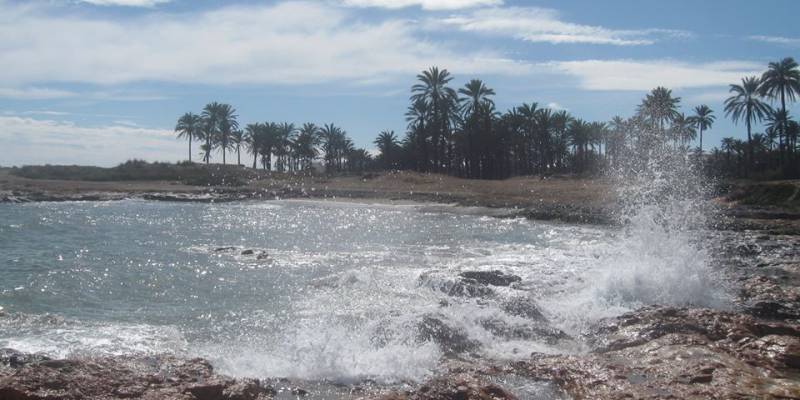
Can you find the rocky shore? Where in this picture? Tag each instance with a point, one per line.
(751, 350)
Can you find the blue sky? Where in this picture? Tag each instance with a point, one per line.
(101, 81)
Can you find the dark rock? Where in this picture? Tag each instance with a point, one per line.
(772, 310)
(262, 256)
(17, 359)
(225, 248)
(248, 252)
(449, 339)
(456, 288)
(493, 278)
(524, 307)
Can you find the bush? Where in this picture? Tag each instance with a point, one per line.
(139, 170)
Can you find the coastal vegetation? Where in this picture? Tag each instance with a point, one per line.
(460, 132)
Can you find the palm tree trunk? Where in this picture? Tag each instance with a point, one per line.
(701, 140)
(190, 150)
(783, 125)
(255, 157)
(749, 145)
(238, 155)
(223, 155)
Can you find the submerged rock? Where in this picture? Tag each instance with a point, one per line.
(524, 307)
(493, 278)
(432, 328)
(248, 252)
(224, 248)
(124, 377)
(458, 287)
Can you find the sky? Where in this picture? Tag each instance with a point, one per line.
(97, 82)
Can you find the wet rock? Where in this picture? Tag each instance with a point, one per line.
(524, 307)
(455, 387)
(493, 278)
(262, 256)
(538, 332)
(16, 359)
(662, 352)
(163, 377)
(224, 248)
(248, 252)
(455, 287)
(449, 339)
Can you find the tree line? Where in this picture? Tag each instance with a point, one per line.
(460, 132)
(274, 146)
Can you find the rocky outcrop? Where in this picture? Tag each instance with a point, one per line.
(661, 352)
(31, 377)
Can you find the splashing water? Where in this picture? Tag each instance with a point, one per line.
(661, 255)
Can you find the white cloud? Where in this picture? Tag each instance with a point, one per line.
(34, 93)
(536, 24)
(645, 75)
(126, 3)
(41, 141)
(555, 106)
(425, 4)
(786, 41)
(292, 42)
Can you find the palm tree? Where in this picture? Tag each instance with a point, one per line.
(703, 119)
(683, 129)
(254, 139)
(660, 107)
(237, 139)
(781, 81)
(745, 105)
(306, 144)
(388, 145)
(221, 121)
(417, 134)
(443, 101)
(478, 109)
(189, 126)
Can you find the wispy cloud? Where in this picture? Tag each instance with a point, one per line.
(39, 141)
(34, 93)
(645, 75)
(126, 3)
(425, 4)
(544, 25)
(284, 43)
(780, 40)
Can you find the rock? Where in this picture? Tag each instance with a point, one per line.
(248, 252)
(524, 307)
(449, 339)
(17, 359)
(772, 310)
(528, 332)
(455, 287)
(662, 352)
(493, 278)
(224, 248)
(161, 377)
(262, 256)
(454, 387)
